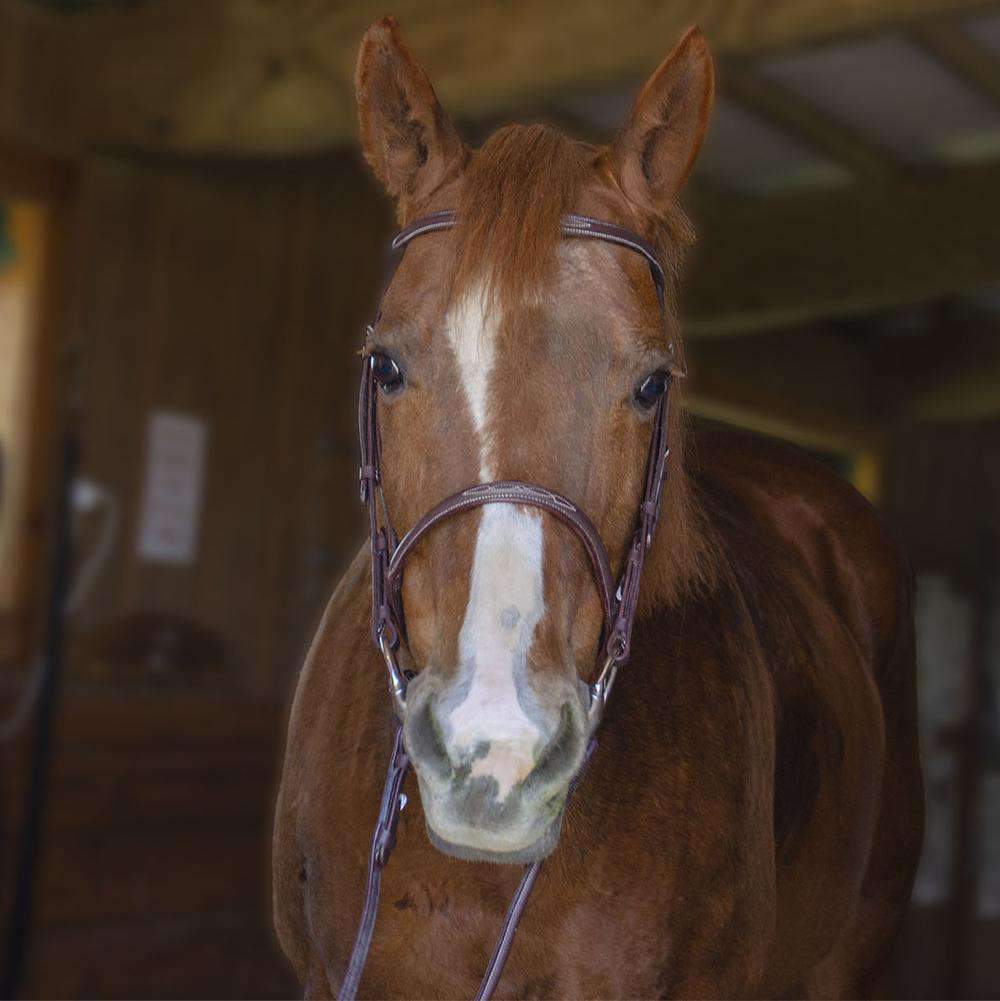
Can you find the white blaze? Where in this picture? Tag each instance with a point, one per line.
(506, 600)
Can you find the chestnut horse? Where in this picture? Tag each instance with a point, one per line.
(750, 822)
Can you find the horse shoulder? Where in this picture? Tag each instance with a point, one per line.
(337, 683)
(830, 595)
(829, 526)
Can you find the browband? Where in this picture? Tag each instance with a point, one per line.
(571, 225)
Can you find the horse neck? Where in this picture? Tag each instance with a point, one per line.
(683, 558)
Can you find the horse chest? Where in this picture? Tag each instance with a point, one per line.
(436, 933)
(608, 918)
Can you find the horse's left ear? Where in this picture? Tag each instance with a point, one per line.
(405, 135)
(655, 150)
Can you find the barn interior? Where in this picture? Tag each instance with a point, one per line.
(189, 248)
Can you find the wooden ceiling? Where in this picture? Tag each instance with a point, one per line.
(258, 76)
(865, 225)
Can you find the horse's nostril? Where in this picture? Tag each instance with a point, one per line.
(558, 757)
(506, 763)
(426, 743)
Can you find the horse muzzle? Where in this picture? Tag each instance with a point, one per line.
(496, 796)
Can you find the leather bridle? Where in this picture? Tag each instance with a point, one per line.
(388, 554)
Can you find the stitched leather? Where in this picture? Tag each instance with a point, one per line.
(514, 492)
(383, 842)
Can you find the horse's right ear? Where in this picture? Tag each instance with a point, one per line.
(405, 134)
(655, 150)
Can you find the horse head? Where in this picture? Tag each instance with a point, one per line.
(503, 352)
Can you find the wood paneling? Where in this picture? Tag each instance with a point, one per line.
(944, 495)
(100, 874)
(238, 296)
(792, 113)
(187, 956)
(237, 293)
(43, 73)
(34, 176)
(155, 867)
(942, 501)
(800, 385)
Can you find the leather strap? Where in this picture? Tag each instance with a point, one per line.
(498, 960)
(619, 605)
(514, 492)
(581, 225)
(383, 843)
(445, 219)
(519, 901)
(571, 225)
(649, 516)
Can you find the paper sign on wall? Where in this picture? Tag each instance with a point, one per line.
(172, 493)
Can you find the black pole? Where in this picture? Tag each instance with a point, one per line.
(22, 908)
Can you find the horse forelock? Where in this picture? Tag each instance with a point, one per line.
(515, 191)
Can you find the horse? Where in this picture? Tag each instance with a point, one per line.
(750, 817)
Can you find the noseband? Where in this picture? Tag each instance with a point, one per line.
(388, 554)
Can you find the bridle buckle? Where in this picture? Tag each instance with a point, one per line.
(397, 678)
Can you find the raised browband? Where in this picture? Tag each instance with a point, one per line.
(571, 225)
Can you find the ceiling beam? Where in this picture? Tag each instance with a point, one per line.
(792, 113)
(802, 386)
(247, 77)
(792, 259)
(735, 402)
(962, 385)
(960, 52)
(972, 394)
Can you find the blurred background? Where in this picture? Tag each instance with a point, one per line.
(189, 247)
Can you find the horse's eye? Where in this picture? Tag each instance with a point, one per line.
(387, 373)
(648, 392)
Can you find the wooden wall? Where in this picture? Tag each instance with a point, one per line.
(236, 293)
(943, 502)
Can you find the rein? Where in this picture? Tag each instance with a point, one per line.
(388, 554)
